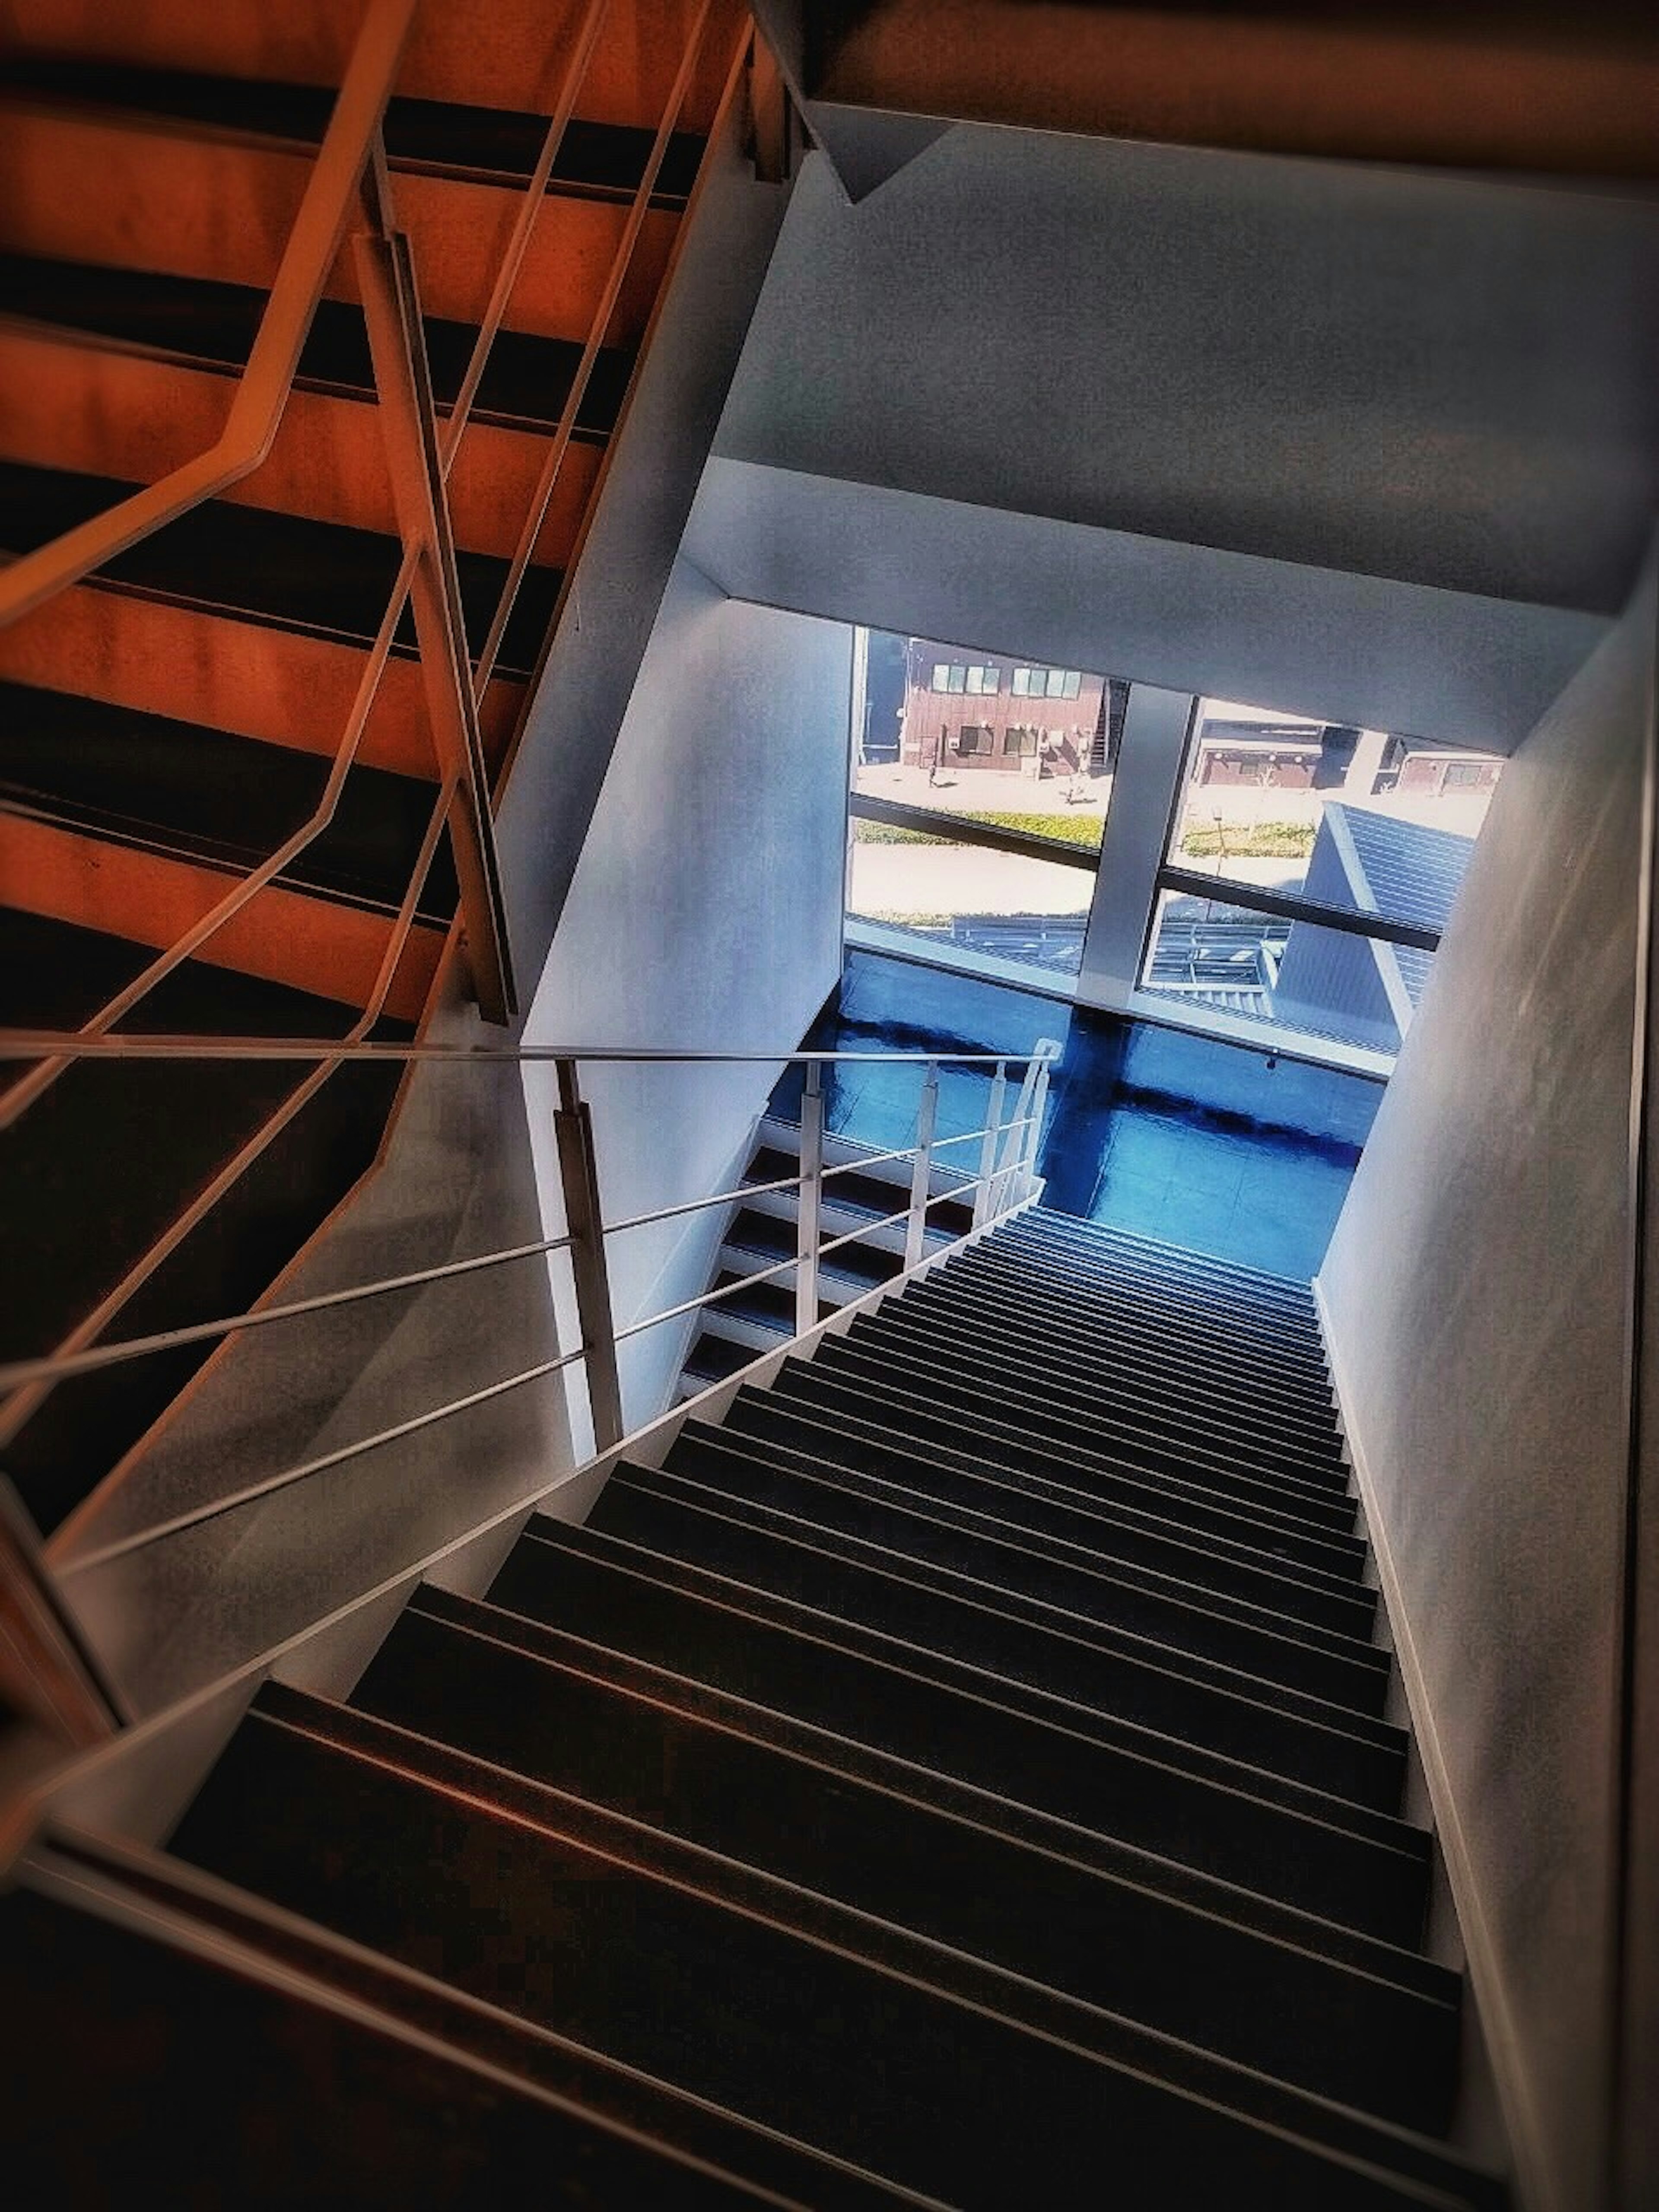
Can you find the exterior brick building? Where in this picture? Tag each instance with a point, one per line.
(965, 711)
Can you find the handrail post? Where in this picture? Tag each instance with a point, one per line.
(1010, 1150)
(987, 1151)
(579, 1172)
(1033, 1132)
(807, 1232)
(392, 314)
(915, 1230)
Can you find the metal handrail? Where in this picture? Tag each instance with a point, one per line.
(273, 359)
(489, 924)
(448, 439)
(585, 1241)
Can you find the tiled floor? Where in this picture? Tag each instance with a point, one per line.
(1206, 1144)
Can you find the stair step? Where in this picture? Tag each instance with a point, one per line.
(1348, 1754)
(438, 137)
(1120, 1416)
(203, 322)
(866, 1425)
(875, 1195)
(286, 570)
(1065, 1529)
(1193, 1971)
(773, 1236)
(1249, 1827)
(173, 787)
(1114, 1305)
(716, 1980)
(1045, 1227)
(876, 1392)
(1008, 1563)
(970, 1331)
(134, 2038)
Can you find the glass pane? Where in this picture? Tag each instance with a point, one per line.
(1359, 819)
(1322, 982)
(1008, 757)
(1030, 911)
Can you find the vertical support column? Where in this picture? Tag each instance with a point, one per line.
(579, 1173)
(811, 1198)
(1145, 786)
(915, 1230)
(988, 1150)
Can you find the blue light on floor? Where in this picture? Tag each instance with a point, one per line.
(1213, 1146)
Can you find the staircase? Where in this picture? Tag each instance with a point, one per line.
(959, 1777)
(249, 760)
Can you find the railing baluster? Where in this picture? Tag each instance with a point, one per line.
(915, 1234)
(810, 1201)
(579, 1172)
(987, 1151)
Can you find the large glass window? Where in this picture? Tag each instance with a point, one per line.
(1283, 823)
(979, 829)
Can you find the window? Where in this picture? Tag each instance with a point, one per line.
(941, 677)
(1020, 740)
(975, 738)
(1055, 683)
(1073, 683)
(1283, 823)
(985, 681)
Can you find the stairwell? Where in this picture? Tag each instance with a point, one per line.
(961, 1775)
(247, 769)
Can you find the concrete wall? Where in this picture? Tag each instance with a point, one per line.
(704, 913)
(1439, 379)
(1476, 1292)
(1374, 651)
(651, 478)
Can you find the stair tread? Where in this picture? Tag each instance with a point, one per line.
(1190, 1616)
(693, 1617)
(1186, 1967)
(1178, 1635)
(498, 144)
(195, 2055)
(680, 1976)
(290, 571)
(1066, 1529)
(1344, 1753)
(207, 795)
(208, 323)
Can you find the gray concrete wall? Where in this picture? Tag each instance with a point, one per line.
(1438, 380)
(1379, 653)
(652, 475)
(704, 914)
(1476, 1296)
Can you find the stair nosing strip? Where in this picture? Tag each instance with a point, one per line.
(1077, 1718)
(1345, 1650)
(484, 1633)
(951, 1957)
(1382, 1744)
(832, 1421)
